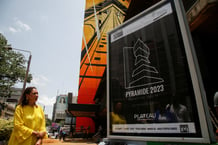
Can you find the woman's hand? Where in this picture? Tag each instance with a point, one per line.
(35, 133)
(41, 134)
(39, 141)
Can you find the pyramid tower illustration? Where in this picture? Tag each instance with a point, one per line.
(143, 74)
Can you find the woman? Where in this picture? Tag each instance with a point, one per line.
(116, 116)
(29, 120)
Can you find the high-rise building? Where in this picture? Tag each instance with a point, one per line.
(60, 106)
(102, 16)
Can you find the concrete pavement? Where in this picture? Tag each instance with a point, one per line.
(77, 141)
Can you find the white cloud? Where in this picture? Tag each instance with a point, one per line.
(46, 101)
(39, 80)
(19, 26)
(11, 29)
(22, 25)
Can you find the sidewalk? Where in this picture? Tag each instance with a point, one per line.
(74, 141)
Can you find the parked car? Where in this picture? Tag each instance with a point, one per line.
(52, 133)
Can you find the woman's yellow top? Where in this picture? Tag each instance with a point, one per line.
(26, 120)
(117, 118)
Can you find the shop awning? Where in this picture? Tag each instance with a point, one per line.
(83, 110)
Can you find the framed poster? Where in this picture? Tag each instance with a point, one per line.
(154, 88)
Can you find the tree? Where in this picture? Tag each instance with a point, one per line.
(13, 68)
(48, 122)
(6, 127)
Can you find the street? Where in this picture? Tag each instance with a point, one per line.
(68, 142)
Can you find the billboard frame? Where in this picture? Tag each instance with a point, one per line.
(207, 135)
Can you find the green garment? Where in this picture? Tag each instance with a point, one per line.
(26, 120)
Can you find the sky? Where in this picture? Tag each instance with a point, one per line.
(52, 31)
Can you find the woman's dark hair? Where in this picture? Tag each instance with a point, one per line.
(23, 101)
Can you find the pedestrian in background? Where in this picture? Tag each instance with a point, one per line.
(29, 120)
(62, 133)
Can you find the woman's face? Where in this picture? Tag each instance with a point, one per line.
(32, 97)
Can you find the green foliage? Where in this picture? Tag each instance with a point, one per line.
(12, 70)
(61, 123)
(6, 127)
(48, 122)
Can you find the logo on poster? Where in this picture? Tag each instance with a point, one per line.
(184, 128)
(138, 71)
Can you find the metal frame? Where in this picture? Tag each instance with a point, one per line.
(200, 96)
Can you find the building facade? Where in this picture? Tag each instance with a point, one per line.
(61, 106)
(9, 104)
(201, 16)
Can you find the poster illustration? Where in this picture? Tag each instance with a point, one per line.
(150, 87)
(100, 17)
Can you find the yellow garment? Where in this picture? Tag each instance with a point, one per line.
(117, 119)
(26, 120)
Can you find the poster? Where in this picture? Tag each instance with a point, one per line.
(150, 86)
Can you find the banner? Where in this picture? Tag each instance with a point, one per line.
(151, 90)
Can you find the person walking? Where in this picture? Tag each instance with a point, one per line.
(29, 120)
